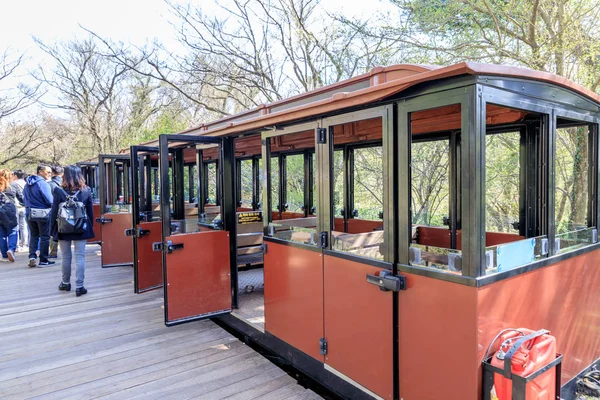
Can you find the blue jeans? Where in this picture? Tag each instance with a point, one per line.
(8, 240)
(67, 256)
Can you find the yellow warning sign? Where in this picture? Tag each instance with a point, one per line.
(249, 217)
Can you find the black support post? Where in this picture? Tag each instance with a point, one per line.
(255, 184)
(228, 210)
(178, 187)
(102, 192)
(201, 181)
(191, 190)
(473, 182)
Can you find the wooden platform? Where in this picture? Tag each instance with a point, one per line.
(112, 344)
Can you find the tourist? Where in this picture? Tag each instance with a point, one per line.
(38, 202)
(8, 234)
(73, 185)
(19, 182)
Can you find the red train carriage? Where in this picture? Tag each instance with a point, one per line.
(408, 215)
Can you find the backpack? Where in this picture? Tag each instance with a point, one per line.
(8, 213)
(71, 217)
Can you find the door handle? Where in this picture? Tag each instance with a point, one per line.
(387, 282)
(136, 233)
(171, 247)
(103, 220)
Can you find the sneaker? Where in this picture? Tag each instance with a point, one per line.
(32, 262)
(11, 255)
(80, 291)
(46, 263)
(4, 259)
(64, 286)
(52, 256)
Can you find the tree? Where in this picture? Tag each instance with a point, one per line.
(20, 96)
(259, 52)
(562, 37)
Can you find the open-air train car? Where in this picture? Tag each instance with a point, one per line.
(409, 216)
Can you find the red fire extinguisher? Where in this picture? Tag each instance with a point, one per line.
(524, 352)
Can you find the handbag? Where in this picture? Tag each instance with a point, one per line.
(39, 214)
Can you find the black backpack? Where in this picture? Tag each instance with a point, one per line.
(71, 217)
(8, 213)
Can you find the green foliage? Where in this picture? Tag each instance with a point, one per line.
(502, 169)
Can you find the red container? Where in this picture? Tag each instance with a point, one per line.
(530, 357)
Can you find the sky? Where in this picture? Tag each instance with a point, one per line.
(135, 21)
(131, 21)
(53, 20)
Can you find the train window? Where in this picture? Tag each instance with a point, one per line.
(514, 232)
(275, 187)
(434, 239)
(368, 183)
(291, 223)
(357, 189)
(211, 182)
(430, 166)
(572, 192)
(502, 182)
(338, 188)
(294, 183)
(246, 191)
(190, 183)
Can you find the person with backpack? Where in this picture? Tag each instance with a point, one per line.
(8, 217)
(19, 183)
(55, 182)
(38, 201)
(72, 222)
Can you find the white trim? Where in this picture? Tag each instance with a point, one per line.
(352, 382)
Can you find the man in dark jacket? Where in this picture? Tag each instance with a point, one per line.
(55, 182)
(38, 202)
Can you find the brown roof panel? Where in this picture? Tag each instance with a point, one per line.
(380, 83)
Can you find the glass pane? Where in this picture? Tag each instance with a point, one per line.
(246, 178)
(430, 170)
(212, 183)
(513, 254)
(368, 183)
(571, 163)
(431, 237)
(292, 225)
(362, 233)
(573, 240)
(338, 183)
(275, 183)
(502, 173)
(295, 183)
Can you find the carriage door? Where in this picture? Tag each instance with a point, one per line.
(357, 267)
(147, 227)
(115, 210)
(197, 241)
(90, 173)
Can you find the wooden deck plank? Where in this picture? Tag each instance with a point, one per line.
(112, 343)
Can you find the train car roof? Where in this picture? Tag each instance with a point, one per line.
(377, 85)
